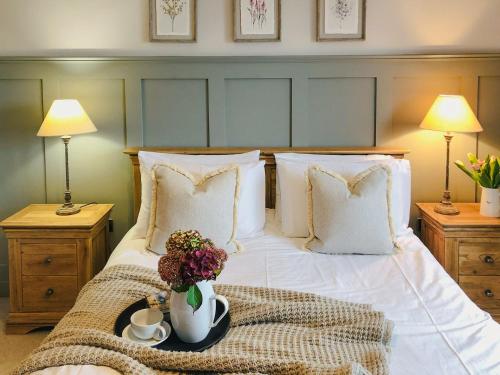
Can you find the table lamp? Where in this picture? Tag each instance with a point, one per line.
(66, 118)
(450, 113)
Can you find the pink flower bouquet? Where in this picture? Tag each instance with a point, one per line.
(190, 258)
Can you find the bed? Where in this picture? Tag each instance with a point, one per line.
(438, 329)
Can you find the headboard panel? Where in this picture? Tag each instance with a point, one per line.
(267, 154)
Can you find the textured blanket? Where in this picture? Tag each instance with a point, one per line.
(272, 331)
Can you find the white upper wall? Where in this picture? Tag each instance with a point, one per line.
(120, 28)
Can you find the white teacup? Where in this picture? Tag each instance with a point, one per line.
(146, 324)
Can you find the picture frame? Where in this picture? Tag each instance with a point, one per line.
(257, 20)
(339, 20)
(172, 20)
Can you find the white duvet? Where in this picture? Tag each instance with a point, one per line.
(438, 329)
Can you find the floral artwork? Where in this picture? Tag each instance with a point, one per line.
(257, 20)
(173, 8)
(173, 20)
(342, 10)
(190, 258)
(341, 19)
(257, 10)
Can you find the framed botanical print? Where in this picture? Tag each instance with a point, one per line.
(341, 19)
(172, 20)
(257, 20)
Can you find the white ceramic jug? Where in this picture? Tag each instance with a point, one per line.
(490, 202)
(194, 327)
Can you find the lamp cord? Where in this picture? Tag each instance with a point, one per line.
(87, 204)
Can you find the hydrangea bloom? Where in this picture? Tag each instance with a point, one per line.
(190, 258)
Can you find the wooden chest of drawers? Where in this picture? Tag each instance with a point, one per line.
(468, 247)
(50, 259)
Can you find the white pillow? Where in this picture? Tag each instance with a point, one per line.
(350, 217)
(313, 159)
(181, 201)
(252, 195)
(293, 205)
(293, 156)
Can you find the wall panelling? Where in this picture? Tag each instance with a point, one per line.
(335, 119)
(175, 111)
(21, 153)
(252, 101)
(258, 112)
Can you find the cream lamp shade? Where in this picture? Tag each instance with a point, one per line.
(66, 117)
(451, 113)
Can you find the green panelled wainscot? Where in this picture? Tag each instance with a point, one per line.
(231, 101)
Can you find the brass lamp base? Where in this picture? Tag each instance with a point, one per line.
(66, 210)
(446, 207)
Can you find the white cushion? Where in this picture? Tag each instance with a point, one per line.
(252, 203)
(293, 156)
(252, 188)
(310, 159)
(292, 186)
(182, 202)
(350, 217)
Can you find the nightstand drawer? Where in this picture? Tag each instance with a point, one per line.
(479, 258)
(51, 259)
(49, 293)
(483, 290)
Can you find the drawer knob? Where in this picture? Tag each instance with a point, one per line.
(49, 292)
(489, 259)
(48, 260)
(488, 293)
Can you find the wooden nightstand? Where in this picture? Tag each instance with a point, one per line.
(467, 245)
(51, 257)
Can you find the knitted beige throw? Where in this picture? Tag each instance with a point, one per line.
(272, 331)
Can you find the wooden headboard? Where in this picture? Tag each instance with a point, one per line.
(267, 154)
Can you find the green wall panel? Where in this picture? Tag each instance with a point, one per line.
(258, 112)
(489, 115)
(21, 154)
(413, 96)
(175, 112)
(99, 171)
(341, 112)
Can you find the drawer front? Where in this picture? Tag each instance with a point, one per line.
(483, 290)
(479, 258)
(49, 293)
(40, 259)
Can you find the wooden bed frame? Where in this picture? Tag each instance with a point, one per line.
(266, 153)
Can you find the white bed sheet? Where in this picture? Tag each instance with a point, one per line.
(438, 329)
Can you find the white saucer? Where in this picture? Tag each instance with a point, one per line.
(129, 335)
